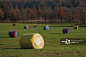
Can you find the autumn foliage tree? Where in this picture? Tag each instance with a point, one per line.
(27, 13)
(61, 14)
(5, 10)
(32, 14)
(13, 13)
(1, 14)
(39, 12)
(17, 12)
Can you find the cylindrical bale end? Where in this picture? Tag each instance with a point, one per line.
(14, 24)
(46, 28)
(65, 30)
(13, 34)
(26, 27)
(33, 40)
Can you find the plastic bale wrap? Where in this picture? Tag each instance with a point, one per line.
(32, 40)
(46, 28)
(65, 30)
(14, 24)
(75, 27)
(35, 25)
(13, 34)
(26, 27)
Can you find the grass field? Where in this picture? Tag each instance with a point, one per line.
(9, 47)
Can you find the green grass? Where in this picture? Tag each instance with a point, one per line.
(9, 47)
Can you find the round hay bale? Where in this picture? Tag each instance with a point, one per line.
(33, 40)
(13, 34)
(26, 27)
(35, 25)
(46, 27)
(75, 27)
(14, 24)
(65, 30)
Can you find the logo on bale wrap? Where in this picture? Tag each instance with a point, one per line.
(33, 40)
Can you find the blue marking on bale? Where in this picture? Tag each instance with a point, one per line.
(11, 33)
(65, 30)
(24, 27)
(36, 25)
(46, 28)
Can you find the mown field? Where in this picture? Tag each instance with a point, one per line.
(9, 47)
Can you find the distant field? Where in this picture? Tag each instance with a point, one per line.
(9, 47)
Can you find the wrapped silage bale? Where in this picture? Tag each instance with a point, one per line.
(14, 24)
(35, 25)
(32, 40)
(26, 27)
(75, 27)
(46, 27)
(65, 30)
(13, 34)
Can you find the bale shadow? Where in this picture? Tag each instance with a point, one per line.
(60, 26)
(56, 33)
(66, 26)
(6, 37)
(17, 48)
(81, 26)
(40, 26)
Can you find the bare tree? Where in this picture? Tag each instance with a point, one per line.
(45, 13)
(22, 13)
(56, 11)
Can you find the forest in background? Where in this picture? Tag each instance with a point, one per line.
(52, 11)
(42, 3)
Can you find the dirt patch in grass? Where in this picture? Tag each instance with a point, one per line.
(1, 44)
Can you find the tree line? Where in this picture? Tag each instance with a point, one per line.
(52, 3)
(46, 14)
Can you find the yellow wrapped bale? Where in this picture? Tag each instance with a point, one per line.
(35, 25)
(32, 40)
